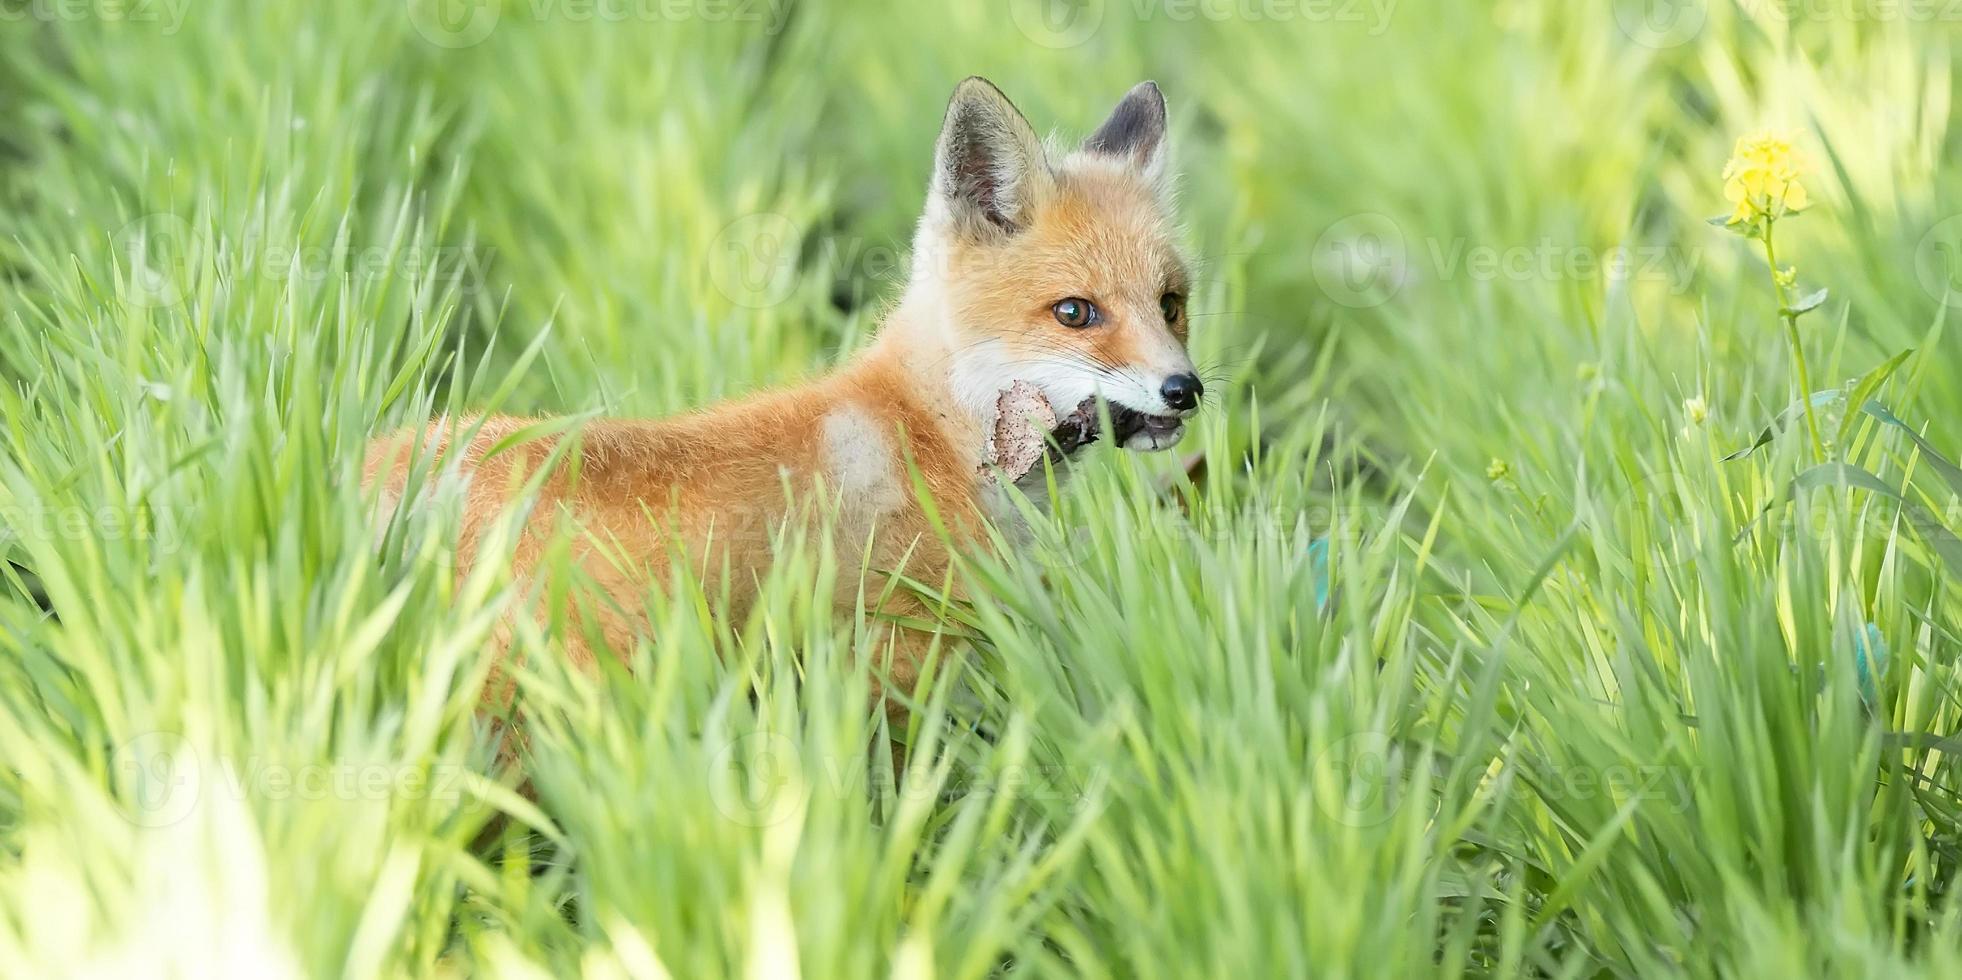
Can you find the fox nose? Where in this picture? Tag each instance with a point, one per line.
(1182, 391)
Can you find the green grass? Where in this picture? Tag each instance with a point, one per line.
(1585, 698)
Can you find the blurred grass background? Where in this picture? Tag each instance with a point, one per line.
(1586, 699)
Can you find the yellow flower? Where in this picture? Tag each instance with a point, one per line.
(1762, 178)
(1786, 277)
(1497, 469)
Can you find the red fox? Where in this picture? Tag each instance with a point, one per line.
(1045, 282)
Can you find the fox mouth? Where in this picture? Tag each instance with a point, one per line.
(1129, 427)
(1127, 424)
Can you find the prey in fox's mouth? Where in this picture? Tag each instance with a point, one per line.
(1129, 428)
(1143, 431)
(1026, 429)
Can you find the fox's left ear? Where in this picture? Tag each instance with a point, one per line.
(1135, 131)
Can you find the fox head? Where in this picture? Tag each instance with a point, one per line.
(1059, 267)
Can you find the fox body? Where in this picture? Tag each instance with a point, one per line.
(1054, 269)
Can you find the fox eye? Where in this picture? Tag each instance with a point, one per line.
(1172, 305)
(1076, 312)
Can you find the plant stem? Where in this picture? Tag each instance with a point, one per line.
(1792, 339)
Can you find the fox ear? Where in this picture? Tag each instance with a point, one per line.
(989, 162)
(1135, 130)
